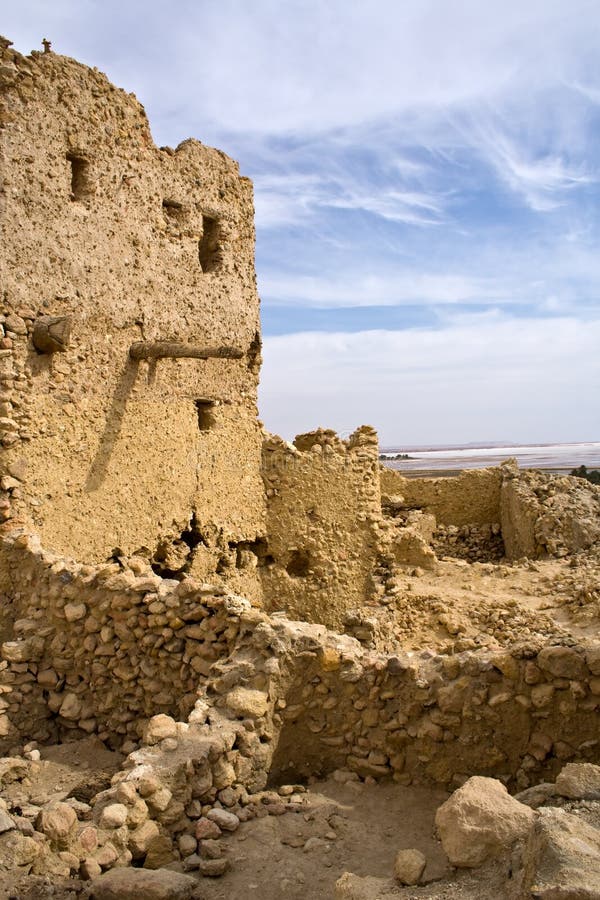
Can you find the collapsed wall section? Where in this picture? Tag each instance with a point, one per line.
(486, 513)
(548, 515)
(457, 516)
(107, 241)
(323, 524)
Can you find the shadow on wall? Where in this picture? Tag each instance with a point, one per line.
(112, 427)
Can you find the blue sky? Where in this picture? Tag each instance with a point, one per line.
(427, 195)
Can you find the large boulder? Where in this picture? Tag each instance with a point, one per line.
(561, 860)
(481, 821)
(133, 884)
(579, 781)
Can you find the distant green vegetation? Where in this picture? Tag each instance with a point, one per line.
(593, 475)
(397, 456)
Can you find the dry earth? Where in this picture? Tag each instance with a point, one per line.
(353, 827)
(461, 606)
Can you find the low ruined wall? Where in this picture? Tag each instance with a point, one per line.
(471, 498)
(323, 519)
(516, 714)
(269, 698)
(102, 649)
(97, 650)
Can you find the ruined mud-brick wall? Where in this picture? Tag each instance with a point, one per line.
(517, 713)
(102, 649)
(534, 513)
(471, 498)
(464, 511)
(98, 649)
(102, 452)
(323, 524)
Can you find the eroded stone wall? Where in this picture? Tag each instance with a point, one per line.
(103, 454)
(548, 515)
(103, 650)
(324, 524)
(99, 649)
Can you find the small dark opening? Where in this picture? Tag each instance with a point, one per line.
(174, 210)
(173, 558)
(260, 549)
(206, 416)
(209, 248)
(192, 536)
(81, 185)
(254, 353)
(299, 564)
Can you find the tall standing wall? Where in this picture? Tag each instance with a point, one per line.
(103, 454)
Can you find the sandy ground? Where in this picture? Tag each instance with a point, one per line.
(461, 605)
(352, 827)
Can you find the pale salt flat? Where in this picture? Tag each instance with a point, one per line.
(557, 457)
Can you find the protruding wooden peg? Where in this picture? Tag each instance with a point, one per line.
(179, 350)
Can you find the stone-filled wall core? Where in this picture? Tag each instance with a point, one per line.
(101, 651)
(323, 524)
(107, 240)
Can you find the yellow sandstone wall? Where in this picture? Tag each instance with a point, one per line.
(323, 524)
(132, 242)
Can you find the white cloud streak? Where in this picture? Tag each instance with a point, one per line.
(286, 199)
(485, 378)
(392, 289)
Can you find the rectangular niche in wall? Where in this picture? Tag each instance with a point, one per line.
(174, 211)
(209, 249)
(82, 184)
(206, 416)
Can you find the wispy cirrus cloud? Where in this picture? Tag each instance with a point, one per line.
(542, 178)
(285, 199)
